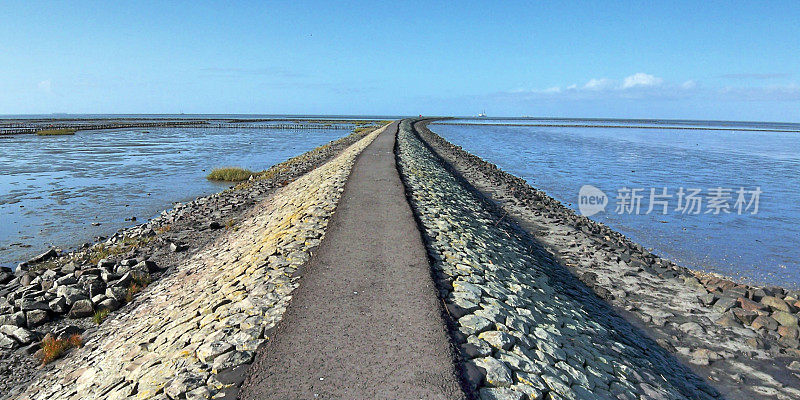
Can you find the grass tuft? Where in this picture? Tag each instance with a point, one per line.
(230, 174)
(100, 316)
(140, 282)
(56, 132)
(53, 348)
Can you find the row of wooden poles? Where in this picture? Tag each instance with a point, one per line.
(12, 129)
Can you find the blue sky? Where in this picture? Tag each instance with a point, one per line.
(696, 60)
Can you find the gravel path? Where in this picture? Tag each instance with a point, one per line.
(366, 306)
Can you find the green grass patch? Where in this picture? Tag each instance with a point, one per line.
(230, 174)
(56, 132)
(100, 316)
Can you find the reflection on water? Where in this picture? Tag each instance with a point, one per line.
(763, 248)
(53, 188)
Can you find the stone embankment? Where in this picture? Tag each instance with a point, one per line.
(727, 332)
(206, 254)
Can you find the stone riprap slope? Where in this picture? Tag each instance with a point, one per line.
(527, 329)
(214, 311)
(58, 292)
(743, 338)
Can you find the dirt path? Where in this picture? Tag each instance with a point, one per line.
(365, 322)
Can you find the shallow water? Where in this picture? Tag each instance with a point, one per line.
(759, 248)
(53, 188)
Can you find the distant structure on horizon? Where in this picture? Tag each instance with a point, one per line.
(482, 114)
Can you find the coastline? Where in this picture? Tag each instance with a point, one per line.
(539, 302)
(155, 248)
(723, 329)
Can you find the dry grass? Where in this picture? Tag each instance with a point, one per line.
(56, 132)
(139, 283)
(53, 348)
(230, 174)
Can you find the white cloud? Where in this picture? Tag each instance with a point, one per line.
(46, 86)
(641, 80)
(690, 84)
(599, 84)
(646, 86)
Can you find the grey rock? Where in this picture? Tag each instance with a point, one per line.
(725, 303)
(117, 293)
(209, 351)
(497, 339)
(232, 359)
(81, 309)
(109, 304)
(496, 374)
(7, 343)
(475, 324)
(182, 384)
(16, 319)
(500, 394)
(29, 305)
(21, 335)
(35, 318)
(43, 257)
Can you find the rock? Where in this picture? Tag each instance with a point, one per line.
(500, 394)
(750, 305)
(201, 393)
(231, 359)
(794, 366)
(475, 324)
(214, 225)
(7, 343)
(745, 316)
(784, 318)
(176, 247)
(495, 372)
(775, 303)
(5, 276)
(765, 322)
(707, 299)
(81, 309)
(789, 342)
(790, 332)
(724, 304)
(21, 335)
(35, 318)
(16, 319)
(209, 351)
(43, 257)
(66, 280)
(67, 331)
(692, 328)
(109, 304)
(182, 384)
(106, 264)
(117, 293)
(497, 339)
(147, 266)
(123, 282)
(728, 320)
(29, 305)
